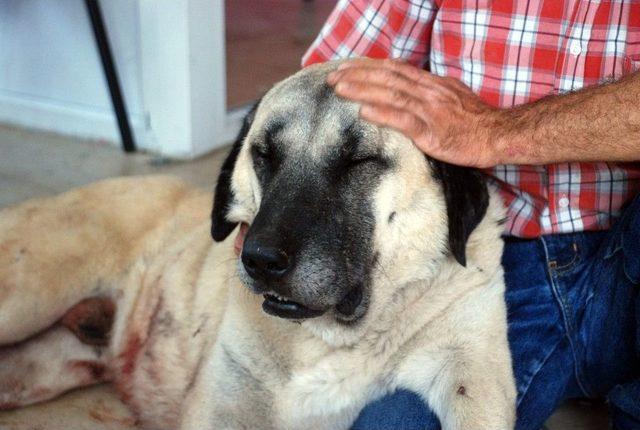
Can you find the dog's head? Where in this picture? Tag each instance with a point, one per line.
(338, 209)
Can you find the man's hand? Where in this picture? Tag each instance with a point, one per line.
(446, 120)
(442, 116)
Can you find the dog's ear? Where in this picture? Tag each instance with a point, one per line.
(467, 198)
(220, 226)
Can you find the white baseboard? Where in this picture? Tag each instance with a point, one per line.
(90, 123)
(84, 122)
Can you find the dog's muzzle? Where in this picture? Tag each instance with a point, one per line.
(268, 266)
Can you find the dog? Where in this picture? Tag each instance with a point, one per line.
(364, 267)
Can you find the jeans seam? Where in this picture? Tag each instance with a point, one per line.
(568, 267)
(568, 326)
(625, 265)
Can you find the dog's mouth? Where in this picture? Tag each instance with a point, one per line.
(285, 308)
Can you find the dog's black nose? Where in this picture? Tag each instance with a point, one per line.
(265, 263)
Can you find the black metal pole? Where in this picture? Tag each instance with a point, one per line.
(100, 33)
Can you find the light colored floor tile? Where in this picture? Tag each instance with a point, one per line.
(39, 164)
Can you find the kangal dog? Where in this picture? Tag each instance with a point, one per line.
(365, 267)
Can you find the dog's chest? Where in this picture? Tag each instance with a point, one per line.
(330, 390)
(172, 320)
(327, 391)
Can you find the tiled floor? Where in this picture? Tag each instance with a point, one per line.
(37, 164)
(40, 164)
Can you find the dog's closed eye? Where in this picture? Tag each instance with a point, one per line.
(265, 158)
(358, 160)
(262, 152)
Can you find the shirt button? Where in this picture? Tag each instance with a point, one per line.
(563, 202)
(575, 48)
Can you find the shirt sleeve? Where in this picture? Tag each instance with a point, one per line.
(375, 29)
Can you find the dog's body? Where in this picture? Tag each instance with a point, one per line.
(120, 281)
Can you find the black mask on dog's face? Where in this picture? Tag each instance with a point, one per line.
(309, 249)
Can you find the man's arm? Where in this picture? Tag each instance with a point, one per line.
(445, 119)
(600, 123)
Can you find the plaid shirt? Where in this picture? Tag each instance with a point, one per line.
(511, 52)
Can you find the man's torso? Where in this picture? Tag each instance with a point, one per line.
(510, 53)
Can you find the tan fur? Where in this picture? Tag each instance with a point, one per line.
(191, 347)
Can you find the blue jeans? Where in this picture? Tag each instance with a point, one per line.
(574, 329)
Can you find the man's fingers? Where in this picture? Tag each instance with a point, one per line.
(380, 86)
(379, 95)
(359, 61)
(411, 72)
(372, 75)
(395, 65)
(390, 94)
(392, 74)
(398, 67)
(401, 120)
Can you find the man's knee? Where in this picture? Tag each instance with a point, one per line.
(400, 410)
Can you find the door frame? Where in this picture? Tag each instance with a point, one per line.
(183, 67)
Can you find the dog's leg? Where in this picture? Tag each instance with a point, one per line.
(47, 365)
(477, 392)
(466, 378)
(58, 251)
(71, 354)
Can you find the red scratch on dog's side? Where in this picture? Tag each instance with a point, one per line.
(130, 354)
(128, 359)
(134, 344)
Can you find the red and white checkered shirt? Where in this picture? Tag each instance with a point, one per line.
(511, 52)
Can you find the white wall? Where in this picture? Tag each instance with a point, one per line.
(170, 59)
(50, 72)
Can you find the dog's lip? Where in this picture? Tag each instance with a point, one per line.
(284, 308)
(349, 304)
